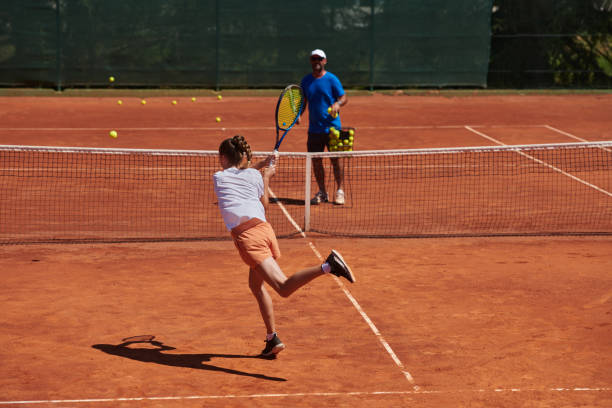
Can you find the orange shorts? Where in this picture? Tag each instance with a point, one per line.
(256, 241)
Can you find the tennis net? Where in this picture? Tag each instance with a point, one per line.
(53, 194)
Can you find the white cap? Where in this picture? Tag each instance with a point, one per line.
(318, 52)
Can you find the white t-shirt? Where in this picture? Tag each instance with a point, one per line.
(239, 192)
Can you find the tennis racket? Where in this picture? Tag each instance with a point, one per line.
(288, 110)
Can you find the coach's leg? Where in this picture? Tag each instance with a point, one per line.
(319, 172)
(338, 172)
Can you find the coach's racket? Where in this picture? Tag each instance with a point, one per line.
(288, 110)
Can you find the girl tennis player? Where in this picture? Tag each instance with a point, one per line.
(242, 193)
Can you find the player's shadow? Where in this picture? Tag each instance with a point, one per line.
(157, 356)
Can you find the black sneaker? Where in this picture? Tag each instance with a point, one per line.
(273, 347)
(319, 198)
(339, 267)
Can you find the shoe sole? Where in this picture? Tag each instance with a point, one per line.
(275, 350)
(351, 276)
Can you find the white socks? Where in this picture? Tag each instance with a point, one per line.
(326, 268)
(270, 336)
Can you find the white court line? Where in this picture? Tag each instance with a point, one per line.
(307, 394)
(550, 166)
(572, 136)
(356, 304)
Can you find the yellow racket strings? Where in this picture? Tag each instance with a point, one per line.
(289, 108)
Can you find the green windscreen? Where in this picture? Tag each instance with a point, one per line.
(237, 43)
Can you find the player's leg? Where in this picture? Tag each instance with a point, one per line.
(271, 273)
(274, 345)
(266, 308)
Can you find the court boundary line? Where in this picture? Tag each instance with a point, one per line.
(351, 298)
(554, 129)
(311, 394)
(543, 163)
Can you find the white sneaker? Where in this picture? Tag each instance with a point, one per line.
(319, 198)
(339, 197)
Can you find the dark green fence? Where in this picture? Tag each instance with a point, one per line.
(239, 43)
(266, 43)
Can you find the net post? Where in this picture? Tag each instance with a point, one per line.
(308, 178)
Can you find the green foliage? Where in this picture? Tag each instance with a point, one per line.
(550, 43)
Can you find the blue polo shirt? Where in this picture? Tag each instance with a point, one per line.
(321, 93)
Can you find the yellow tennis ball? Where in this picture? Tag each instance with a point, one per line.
(113, 134)
(193, 99)
(351, 138)
(143, 102)
(351, 132)
(332, 129)
(329, 110)
(219, 97)
(119, 102)
(174, 102)
(111, 79)
(218, 119)
(340, 143)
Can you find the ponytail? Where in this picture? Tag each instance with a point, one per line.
(235, 149)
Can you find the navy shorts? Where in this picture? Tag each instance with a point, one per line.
(317, 142)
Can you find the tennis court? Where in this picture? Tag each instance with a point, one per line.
(471, 321)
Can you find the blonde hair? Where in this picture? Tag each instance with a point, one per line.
(235, 149)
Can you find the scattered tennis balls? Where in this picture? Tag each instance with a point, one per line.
(119, 102)
(111, 79)
(143, 102)
(113, 134)
(218, 119)
(193, 99)
(174, 102)
(219, 97)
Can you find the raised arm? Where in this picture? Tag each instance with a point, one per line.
(268, 172)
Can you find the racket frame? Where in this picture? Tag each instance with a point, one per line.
(287, 129)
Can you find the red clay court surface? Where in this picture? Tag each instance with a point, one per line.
(515, 321)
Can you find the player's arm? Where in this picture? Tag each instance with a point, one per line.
(268, 172)
(262, 163)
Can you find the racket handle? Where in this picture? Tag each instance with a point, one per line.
(274, 159)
